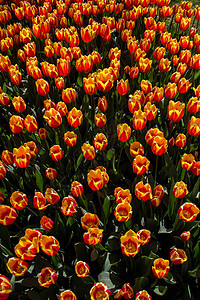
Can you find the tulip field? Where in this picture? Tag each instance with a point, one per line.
(99, 150)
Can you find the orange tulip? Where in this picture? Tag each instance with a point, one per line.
(151, 111)
(160, 267)
(63, 66)
(123, 211)
(82, 269)
(193, 105)
(175, 111)
(140, 165)
(47, 276)
(61, 107)
(69, 95)
(144, 64)
(143, 295)
(39, 201)
(69, 206)
(52, 117)
(49, 245)
(42, 87)
(139, 120)
(16, 124)
(22, 156)
(88, 151)
(70, 138)
(151, 134)
(8, 215)
(178, 256)
(17, 267)
(187, 162)
(3, 170)
(130, 244)
(104, 80)
(19, 104)
(90, 221)
(136, 149)
(159, 145)
(93, 236)
(185, 235)
(56, 153)
(183, 85)
(188, 212)
(27, 249)
(180, 190)
(75, 117)
(95, 179)
(76, 189)
(52, 196)
(123, 132)
(102, 104)
(18, 200)
(159, 53)
(30, 123)
(143, 191)
(100, 119)
(170, 90)
(90, 85)
(122, 195)
(42, 133)
(5, 287)
(196, 168)
(127, 291)
(122, 87)
(193, 127)
(146, 86)
(143, 236)
(99, 289)
(100, 141)
(67, 295)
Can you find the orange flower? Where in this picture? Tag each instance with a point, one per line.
(151, 134)
(159, 145)
(56, 152)
(146, 86)
(95, 179)
(123, 211)
(27, 249)
(181, 68)
(140, 165)
(87, 34)
(42, 133)
(104, 80)
(164, 65)
(88, 151)
(160, 267)
(30, 123)
(193, 105)
(122, 87)
(82, 269)
(69, 206)
(143, 236)
(184, 24)
(159, 53)
(22, 156)
(51, 173)
(90, 85)
(143, 191)
(67, 295)
(76, 189)
(47, 276)
(175, 111)
(193, 127)
(84, 64)
(188, 212)
(39, 201)
(5, 287)
(49, 245)
(196, 168)
(70, 138)
(136, 149)
(170, 90)
(185, 235)
(42, 87)
(143, 295)
(130, 244)
(16, 124)
(187, 162)
(19, 104)
(100, 119)
(46, 223)
(123, 132)
(134, 104)
(144, 64)
(99, 289)
(18, 200)
(69, 95)
(102, 104)
(75, 117)
(158, 191)
(93, 236)
(52, 196)
(100, 141)
(180, 190)
(8, 215)
(175, 77)
(90, 221)
(127, 291)
(32, 148)
(139, 120)
(4, 99)
(2, 170)
(151, 111)
(178, 256)
(52, 117)
(122, 195)
(63, 66)
(17, 267)
(180, 140)
(60, 83)
(61, 107)
(183, 85)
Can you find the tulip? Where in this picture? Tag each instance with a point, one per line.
(5, 287)
(66, 295)
(53, 117)
(136, 149)
(129, 243)
(151, 134)
(39, 201)
(123, 211)
(95, 179)
(17, 267)
(159, 145)
(143, 295)
(183, 85)
(127, 291)
(178, 256)
(170, 90)
(193, 105)
(143, 191)
(69, 206)
(90, 221)
(185, 235)
(100, 141)
(49, 245)
(122, 195)
(30, 123)
(8, 215)
(104, 80)
(18, 200)
(42, 87)
(46, 223)
(63, 66)
(144, 64)
(70, 138)
(90, 85)
(102, 104)
(187, 162)
(161, 267)
(100, 119)
(164, 65)
(151, 111)
(16, 124)
(75, 117)
(22, 156)
(52, 196)
(188, 212)
(27, 249)
(3, 170)
(143, 236)
(4, 99)
(139, 120)
(47, 276)
(193, 127)
(88, 151)
(42, 133)
(180, 190)
(61, 107)
(76, 189)
(93, 236)
(122, 87)
(82, 269)
(19, 104)
(140, 165)
(56, 152)
(99, 289)
(196, 168)
(175, 111)
(123, 132)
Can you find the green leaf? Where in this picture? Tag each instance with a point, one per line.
(197, 75)
(113, 243)
(160, 290)
(79, 161)
(5, 235)
(106, 209)
(39, 179)
(195, 273)
(169, 278)
(195, 190)
(59, 226)
(172, 200)
(79, 81)
(110, 154)
(143, 266)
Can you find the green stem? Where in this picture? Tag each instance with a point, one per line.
(120, 155)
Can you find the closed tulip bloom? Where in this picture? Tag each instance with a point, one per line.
(100, 290)
(69, 95)
(160, 267)
(151, 134)
(3, 170)
(143, 236)
(42, 133)
(175, 111)
(183, 85)
(140, 165)
(185, 235)
(8, 215)
(193, 105)
(69, 206)
(151, 111)
(100, 141)
(19, 104)
(4, 99)
(17, 267)
(143, 191)
(139, 120)
(184, 24)
(70, 138)
(159, 53)
(39, 201)
(63, 66)
(61, 107)
(42, 87)
(196, 60)
(143, 295)
(104, 80)
(127, 291)
(84, 64)
(56, 153)
(158, 191)
(52, 196)
(30, 123)
(123, 211)
(180, 190)
(90, 85)
(5, 287)
(46, 223)
(47, 276)
(175, 77)
(181, 68)
(48, 104)
(87, 34)
(60, 83)
(188, 212)
(170, 90)
(193, 127)
(123, 132)
(102, 104)
(51, 173)
(100, 119)
(196, 168)
(180, 140)
(187, 162)
(178, 256)
(88, 151)
(22, 156)
(129, 243)
(49, 245)
(18, 200)
(16, 124)
(82, 269)
(27, 249)
(89, 221)
(164, 65)
(133, 104)
(122, 87)
(93, 236)
(67, 295)
(95, 179)
(144, 64)
(159, 145)
(75, 117)
(76, 189)
(146, 86)
(52, 117)
(122, 195)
